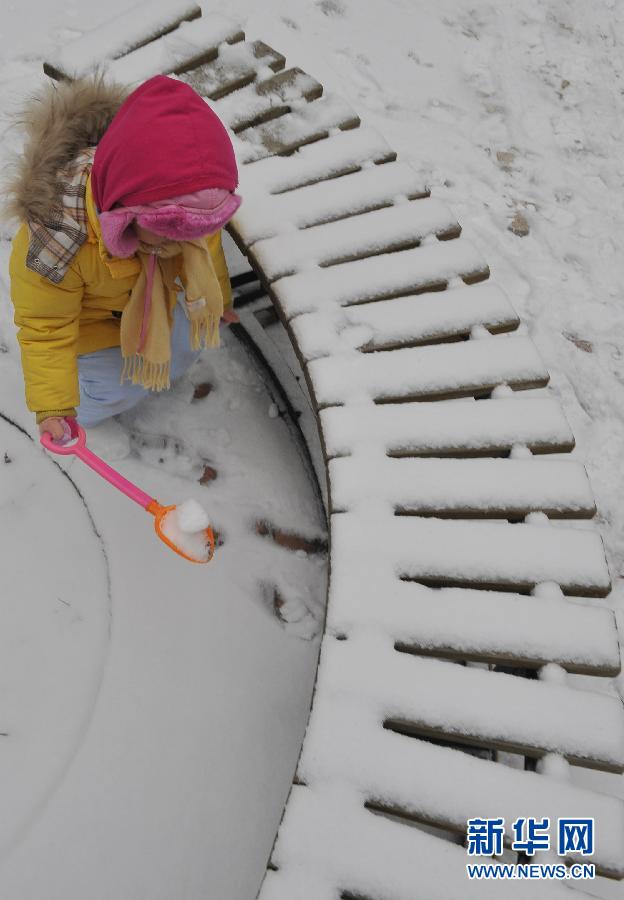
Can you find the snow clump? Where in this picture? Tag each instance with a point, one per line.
(185, 526)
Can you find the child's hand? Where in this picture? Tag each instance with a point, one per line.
(229, 316)
(53, 426)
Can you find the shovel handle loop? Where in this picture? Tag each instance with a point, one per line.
(79, 448)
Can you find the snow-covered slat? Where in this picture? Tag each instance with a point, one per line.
(405, 321)
(490, 554)
(236, 66)
(422, 269)
(421, 373)
(486, 626)
(464, 487)
(440, 785)
(189, 45)
(416, 695)
(392, 228)
(329, 847)
(339, 154)
(266, 100)
(326, 201)
(311, 122)
(141, 24)
(456, 428)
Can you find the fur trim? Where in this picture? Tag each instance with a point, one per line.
(59, 121)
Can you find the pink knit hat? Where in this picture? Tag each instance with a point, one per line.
(180, 218)
(164, 141)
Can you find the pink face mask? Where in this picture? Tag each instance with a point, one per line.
(181, 218)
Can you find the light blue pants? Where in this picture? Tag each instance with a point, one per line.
(99, 374)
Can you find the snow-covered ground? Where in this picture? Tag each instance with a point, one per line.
(190, 708)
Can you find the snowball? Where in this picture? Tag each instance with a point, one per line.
(548, 590)
(192, 516)
(537, 518)
(553, 673)
(555, 766)
(185, 526)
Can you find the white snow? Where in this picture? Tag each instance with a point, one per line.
(54, 636)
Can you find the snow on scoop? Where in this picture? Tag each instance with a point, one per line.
(185, 529)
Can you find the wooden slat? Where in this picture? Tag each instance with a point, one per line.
(462, 488)
(117, 38)
(329, 846)
(461, 428)
(339, 154)
(405, 321)
(429, 697)
(420, 270)
(500, 628)
(395, 227)
(296, 129)
(190, 45)
(267, 100)
(236, 66)
(329, 201)
(442, 786)
(491, 555)
(428, 373)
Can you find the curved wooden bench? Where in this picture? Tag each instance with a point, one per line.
(452, 641)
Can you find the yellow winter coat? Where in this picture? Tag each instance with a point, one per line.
(58, 322)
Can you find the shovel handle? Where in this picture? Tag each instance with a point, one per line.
(79, 449)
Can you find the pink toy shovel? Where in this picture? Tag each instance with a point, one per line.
(74, 432)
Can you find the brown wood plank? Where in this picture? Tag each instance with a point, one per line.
(414, 728)
(297, 129)
(205, 56)
(58, 75)
(516, 661)
(222, 76)
(274, 98)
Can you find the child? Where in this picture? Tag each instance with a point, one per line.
(118, 276)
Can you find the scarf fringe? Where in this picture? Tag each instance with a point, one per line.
(205, 331)
(138, 370)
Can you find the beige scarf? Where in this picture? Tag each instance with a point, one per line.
(147, 319)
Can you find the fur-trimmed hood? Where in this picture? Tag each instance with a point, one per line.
(59, 121)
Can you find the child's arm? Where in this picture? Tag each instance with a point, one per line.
(47, 316)
(218, 257)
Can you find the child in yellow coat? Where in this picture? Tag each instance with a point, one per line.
(118, 275)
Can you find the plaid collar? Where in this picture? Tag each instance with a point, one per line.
(55, 242)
